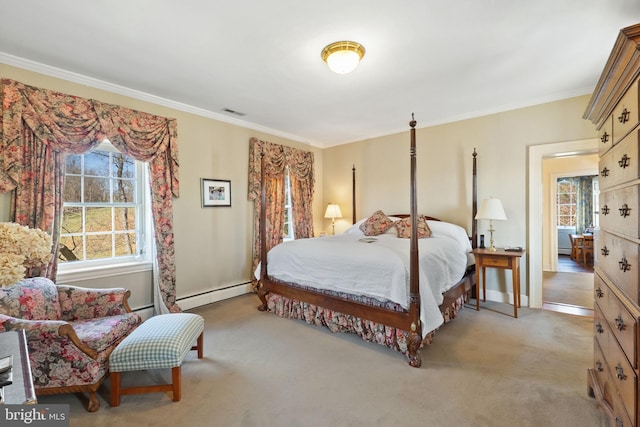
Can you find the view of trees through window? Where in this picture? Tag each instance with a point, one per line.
(566, 203)
(100, 214)
(287, 227)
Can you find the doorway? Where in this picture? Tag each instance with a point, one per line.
(567, 281)
(540, 243)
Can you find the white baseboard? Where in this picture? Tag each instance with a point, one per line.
(145, 313)
(187, 303)
(498, 296)
(215, 295)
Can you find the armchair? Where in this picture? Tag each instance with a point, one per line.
(70, 332)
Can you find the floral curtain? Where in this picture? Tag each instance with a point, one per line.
(584, 202)
(39, 127)
(277, 158)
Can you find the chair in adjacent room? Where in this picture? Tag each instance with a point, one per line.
(587, 248)
(576, 247)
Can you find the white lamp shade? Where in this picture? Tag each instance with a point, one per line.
(333, 211)
(491, 209)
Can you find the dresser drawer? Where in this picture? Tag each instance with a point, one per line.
(619, 211)
(619, 259)
(605, 135)
(601, 332)
(621, 164)
(624, 378)
(625, 115)
(495, 261)
(623, 325)
(599, 364)
(608, 387)
(620, 371)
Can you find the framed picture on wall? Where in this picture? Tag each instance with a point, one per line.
(216, 192)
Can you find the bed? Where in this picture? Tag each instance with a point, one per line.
(390, 290)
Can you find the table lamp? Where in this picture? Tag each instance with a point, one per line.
(491, 209)
(333, 212)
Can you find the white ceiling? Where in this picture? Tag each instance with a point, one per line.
(442, 60)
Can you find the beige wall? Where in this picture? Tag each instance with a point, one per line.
(552, 168)
(213, 245)
(444, 158)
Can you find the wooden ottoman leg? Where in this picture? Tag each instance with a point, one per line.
(177, 386)
(115, 389)
(199, 345)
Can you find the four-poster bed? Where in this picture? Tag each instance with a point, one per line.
(398, 324)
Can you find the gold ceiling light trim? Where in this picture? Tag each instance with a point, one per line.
(343, 57)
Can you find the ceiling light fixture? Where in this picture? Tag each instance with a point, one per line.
(343, 57)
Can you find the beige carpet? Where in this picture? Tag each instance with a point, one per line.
(568, 288)
(484, 369)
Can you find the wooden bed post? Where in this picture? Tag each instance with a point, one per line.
(262, 287)
(353, 197)
(415, 335)
(474, 204)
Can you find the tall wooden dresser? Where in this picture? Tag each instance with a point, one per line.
(613, 108)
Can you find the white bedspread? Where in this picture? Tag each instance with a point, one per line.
(379, 269)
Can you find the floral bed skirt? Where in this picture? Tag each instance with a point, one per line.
(388, 336)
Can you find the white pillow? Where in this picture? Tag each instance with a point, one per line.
(446, 229)
(355, 228)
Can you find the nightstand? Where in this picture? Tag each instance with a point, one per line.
(506, 260)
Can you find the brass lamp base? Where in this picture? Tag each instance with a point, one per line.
(491, 230)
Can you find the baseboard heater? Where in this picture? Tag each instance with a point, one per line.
(204, 298)
(214, 295)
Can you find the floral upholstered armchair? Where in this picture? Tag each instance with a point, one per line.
(70, 332)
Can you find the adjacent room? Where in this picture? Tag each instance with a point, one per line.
(572, 197)
(342, 213)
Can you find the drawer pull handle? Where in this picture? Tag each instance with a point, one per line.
(599, 293)
(604, 251)
(620, 373)
(599, 328)
(604, 138)
(604, 172)
(624, 117)
(625, 210)
(620, 323)
(624, 265)
(599, 366)
(605, 210)
(624, 161)
(619, 422)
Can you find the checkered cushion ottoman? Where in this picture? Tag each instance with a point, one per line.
(160, 342)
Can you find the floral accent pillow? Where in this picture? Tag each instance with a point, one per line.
(404, 227)
(376, 224)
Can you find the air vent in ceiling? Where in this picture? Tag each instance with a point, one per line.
(229, 110)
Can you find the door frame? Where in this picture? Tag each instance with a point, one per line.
(535, 206)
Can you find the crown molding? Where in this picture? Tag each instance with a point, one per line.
(60, 73)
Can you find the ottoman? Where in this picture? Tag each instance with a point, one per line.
(160, 342)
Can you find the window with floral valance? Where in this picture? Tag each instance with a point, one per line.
(40, 126)
(277, 160)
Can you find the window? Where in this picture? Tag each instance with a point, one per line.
(566, 202)
(104, 219)
(287, 227)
